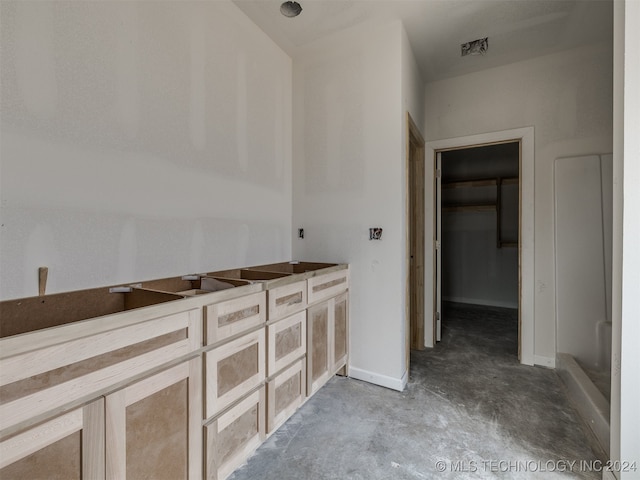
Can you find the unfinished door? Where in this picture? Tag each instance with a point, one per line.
(416, 178)
(153, 427)
(70, 446)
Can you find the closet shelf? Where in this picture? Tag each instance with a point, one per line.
(473, 208)
(497, 183)
(483, 182)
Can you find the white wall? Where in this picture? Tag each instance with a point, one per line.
(140, 140)
(583, 234)
(349, 175)
(625, 382)
(567, 98)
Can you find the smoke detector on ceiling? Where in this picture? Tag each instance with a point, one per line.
(290, 9)
(476, 47)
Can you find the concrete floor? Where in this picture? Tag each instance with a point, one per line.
(470, 410)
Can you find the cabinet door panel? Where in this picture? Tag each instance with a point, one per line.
(318, 346)
(153, 426)
(340, 332)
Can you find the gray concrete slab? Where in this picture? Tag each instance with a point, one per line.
(470, 410)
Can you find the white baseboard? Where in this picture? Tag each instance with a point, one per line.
(549, 362)
(378, 379)
(480, 301)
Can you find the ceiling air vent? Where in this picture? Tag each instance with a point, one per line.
(476, 47)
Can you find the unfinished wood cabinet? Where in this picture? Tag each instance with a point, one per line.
(327, 340)
(286, 391)
(234, 369)
(286, 342)
(69, 446)
(153, 427)
(118, 382)
(224, 320)
(234, 435)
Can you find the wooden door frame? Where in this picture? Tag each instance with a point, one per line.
(415, 151)
(526, 235)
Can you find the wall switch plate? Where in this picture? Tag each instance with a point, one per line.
(375, 233)
(301, 233)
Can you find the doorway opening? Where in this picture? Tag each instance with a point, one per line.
(478, 226)
(525, 136)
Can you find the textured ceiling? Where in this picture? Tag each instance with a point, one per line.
(517, 29)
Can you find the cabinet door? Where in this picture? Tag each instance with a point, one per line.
(153, 426)
(340, 333)
(318, 346)
(70, 446)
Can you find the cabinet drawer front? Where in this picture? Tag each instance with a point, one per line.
(233, 436)
(36, 383)
(326, 286)
(287, 341)
(234, 369)
(226, 319)
(284, 301)
(285, 393)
